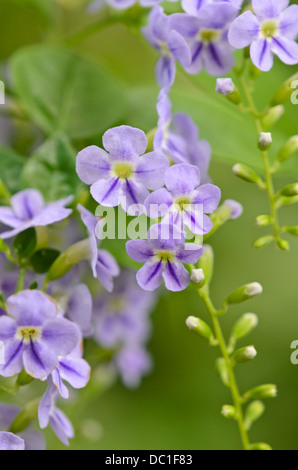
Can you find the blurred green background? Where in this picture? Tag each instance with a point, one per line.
(73, 86)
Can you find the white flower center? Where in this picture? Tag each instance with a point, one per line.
(269, 28)
(28, 333)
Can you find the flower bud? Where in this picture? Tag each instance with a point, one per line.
(26, 416)
(206, 263)
(285, 91)
(229, 412)
(283, 244)
(236, 208)
(264, 220)
(254, 412)
(226, 87)
(245, 325)
(244, 355)
(68, 259)
(150, 138)
(265, 141)
(293, 230)
(244, 293)
(246, 174)
(260, 446)
(223, 371)
(273, 115)
(288, 149)
(290, 190)
(262, 392)
(197, 276)
(263, 241)
(200, 327)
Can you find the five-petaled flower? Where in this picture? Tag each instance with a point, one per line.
(272, 30)
(28, 209)
(184, 202)
(164, 253)
(35, 335)
(121, 175)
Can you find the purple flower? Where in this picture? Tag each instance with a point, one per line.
(178, 137)
(103, 264)
(122, 316)
(194, 6)
(121, 175)
(133, 362)
(97, 5)
(34, 335)
(236, 208)
(184, 202)
(29, 440)
(170, 44)
(48, 413)
(28, 210)
(224, 86)
(72, 369)
(207, 33)
(272, 30)
(163, 253)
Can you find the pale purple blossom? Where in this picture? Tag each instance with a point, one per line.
(97, 5)
(178, 137)
(184, 202)
(236, 208)
(133, 362)
(207, 32)
(122, 173)
(28, 209)
(49, 414)
(34, 335)
(194, 6)
(164, 254)
(224, 86)
(169, 43)
(103, 264)
(9, 441)
(272, 30)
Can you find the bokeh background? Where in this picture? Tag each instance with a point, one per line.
(77, 75)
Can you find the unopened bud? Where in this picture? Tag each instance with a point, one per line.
(254, 412)
(226, 87)
(263, 241)
(293, 230)
(244, 355)
(246, 173)
(236, 208)
(223, 371)
(283, 244)
(273, 115)
(265, 141)
(262, 392)
(260, 446)
(229, 412)
(285, 92)
(68, 259)
(244, 293)
(264, 220)
(290, 190)
(206, 263)
(288, 149)
(197, 276)
(245, 325)
(199, 327)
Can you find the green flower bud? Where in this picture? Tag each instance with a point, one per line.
(197, 276)
(288, 149)
(273, 115)
(247, 174)
(229, 412)
(284, 245)
(285, 91)
(265, 141)
(264, 220)
(244, 293)
(199, 327)
(223, 371)
(261, 392)
(226, 87)
(293, 230)
(26, 416)
(244, 355)
(206, 263)
(263, 242)
(290, 190)
(245, 325)
(260, 446)
(68, 259)
(24, 379)
(254, 412)
(150, 138)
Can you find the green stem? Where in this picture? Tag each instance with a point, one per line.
(204, 293)
(21, 279)
(265, 157)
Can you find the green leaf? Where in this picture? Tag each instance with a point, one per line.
(43, 259)
(51, 169)
(25, 243)
(62, 91)
(11, 165)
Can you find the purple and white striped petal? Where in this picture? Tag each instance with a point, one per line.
(149, 277)
(219, 58)
(165, 71)
(27, 204)
(107, 192)
(133, 195)
(285, 49)
(262, 55)
(8, 217)
(13, 358)
(193, 6)
(182, 179)
(58, 382)
(190, 254)
(7, 328)
(125, 143)
(41, 308)
(60, 336)
(150, 170)
(244, 30)
(176, 277)
(75, 370)
(106, 268)
(93, 164)
(198, 223)
(61, 426)
(39, 360)
(208, 196)
(179, 48)
(158, 203)
(288, 25)
(139, 250)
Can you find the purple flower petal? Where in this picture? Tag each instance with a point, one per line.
(150, 170)
(107, 192)
(27, 204)
(288, 26)
(8, 217)
(9, 441)
(186, 25)
(244, 30)
(198, 223)
(13, 359)
(193, 6)
(166, 237)
(125, 143)
(139, 250)
(158, 203)
(269, 8)
(261, 55)
(7, 328)
(8, 413)
(209, 196)
(34, 440)
(179, 48)
(39, 360)
(58, 382)
(61, 426)
(176, 277)
(60, 336)
(286, 49)
(31, 308)
(133, 197)
(106, 269)
(91, 223)
(75, 371)
(219, 59)
(190, 254)
(165, 71)
(182, 179)
(149, 277)
(79, 308)
(93, 164)
(159, 22)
